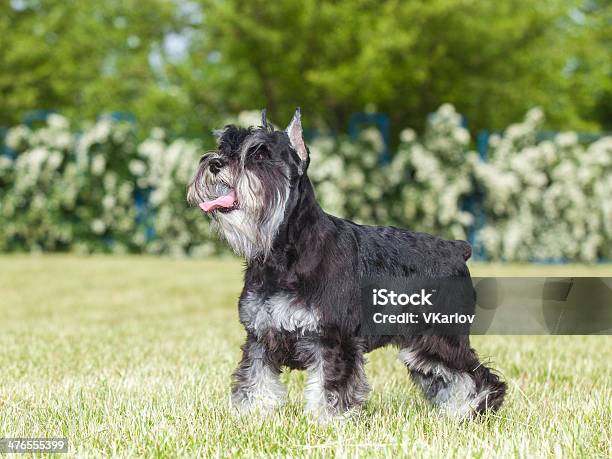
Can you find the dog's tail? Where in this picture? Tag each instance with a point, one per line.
(465, 249)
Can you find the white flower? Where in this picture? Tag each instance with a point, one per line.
(446, 110)
(98, 164)
(102, 129)
(373, 136)
(58, 122)
(98, 226)
(461, 135)
(494, 140)
(535, 115)
(108, 202)
(17, 136)
(55, 160)
(566, 139)
(63, 140)
(407, 135)
(157, 133)
(515, 131)
(137, 167)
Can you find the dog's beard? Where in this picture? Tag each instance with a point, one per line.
(251, 227)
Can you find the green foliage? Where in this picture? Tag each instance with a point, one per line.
(493, 60)
(81, 57)
(187, 64)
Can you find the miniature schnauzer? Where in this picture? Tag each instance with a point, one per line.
(300, 304)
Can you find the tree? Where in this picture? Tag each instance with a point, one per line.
(493, 60)
(82, 58)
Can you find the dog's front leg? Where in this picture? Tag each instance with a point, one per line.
(336, 383)
(256, 385)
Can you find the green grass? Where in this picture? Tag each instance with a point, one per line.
(133, 357)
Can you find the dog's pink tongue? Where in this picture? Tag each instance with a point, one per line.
(222, 201)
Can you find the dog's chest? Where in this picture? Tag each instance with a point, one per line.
(279, 312)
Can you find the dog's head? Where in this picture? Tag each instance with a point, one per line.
(247, 182)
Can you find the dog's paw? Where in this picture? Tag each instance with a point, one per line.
(331, 417)
(328, 412)
(248, 403)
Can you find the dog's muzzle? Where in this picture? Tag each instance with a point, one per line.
(209, 192)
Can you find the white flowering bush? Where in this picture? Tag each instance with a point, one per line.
(433, 195)
(164, 169)
(102, 190)
(105, 210)
(348, 176)
(422, 186)
(39, 188)
(64, 190)
(547, 200)
(98, 191)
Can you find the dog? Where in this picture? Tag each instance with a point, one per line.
(300, 305)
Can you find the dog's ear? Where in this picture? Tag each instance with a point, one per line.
(294, 131)
(264, 121)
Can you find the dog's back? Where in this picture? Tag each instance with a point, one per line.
(397, 251)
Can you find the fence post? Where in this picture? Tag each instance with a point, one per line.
(118, 117)
(4, 149)
(476, 201)
(482, 144)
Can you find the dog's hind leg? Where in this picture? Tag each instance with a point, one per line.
(336, 382)
(257, 385)
(451, 376)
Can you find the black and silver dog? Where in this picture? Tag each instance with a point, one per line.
(301, 297)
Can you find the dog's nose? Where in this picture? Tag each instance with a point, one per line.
(215, 165)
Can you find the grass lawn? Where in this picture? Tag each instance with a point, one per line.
(132, 357)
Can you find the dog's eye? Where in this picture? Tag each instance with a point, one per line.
(259, 154)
